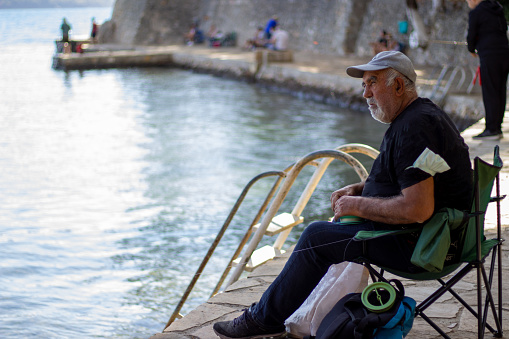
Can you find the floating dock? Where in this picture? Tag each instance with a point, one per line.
(112, 59)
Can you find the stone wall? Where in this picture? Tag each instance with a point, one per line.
(149, 22)
(322, 25)
(447, 25)
(326, 26)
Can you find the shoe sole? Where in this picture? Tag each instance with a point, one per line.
(491, 137)
(258, 336)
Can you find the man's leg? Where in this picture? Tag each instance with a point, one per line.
(323, 244)
(320, 245)
(493, 81)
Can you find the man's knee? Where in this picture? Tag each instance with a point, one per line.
(315, 227)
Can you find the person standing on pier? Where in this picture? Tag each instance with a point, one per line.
(65, 30)
(95, 29)
(487, 38)
(423, 165)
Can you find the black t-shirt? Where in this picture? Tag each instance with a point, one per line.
(422, 142)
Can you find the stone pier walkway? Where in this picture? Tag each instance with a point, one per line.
(321, 77)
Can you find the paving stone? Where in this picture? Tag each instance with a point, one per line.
(442, 310)
(244, 298)
(468, 323)
(422, 330)
(268, 270)
(200, 315)
(243, 283)
(171, 336)
(464, 285)
(420, 293)
(266, 279)
(204, 332)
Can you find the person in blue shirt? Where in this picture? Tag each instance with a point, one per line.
(270, 26)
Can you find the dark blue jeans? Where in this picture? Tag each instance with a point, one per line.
(321, 245)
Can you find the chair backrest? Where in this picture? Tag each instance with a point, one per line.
(484, 177)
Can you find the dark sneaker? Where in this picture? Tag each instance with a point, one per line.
(488, 135)
(244, 327)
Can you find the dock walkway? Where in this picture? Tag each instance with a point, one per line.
(310, 75)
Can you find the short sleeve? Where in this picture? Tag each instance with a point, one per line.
(416, 154)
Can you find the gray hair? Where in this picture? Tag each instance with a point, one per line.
(391, 76)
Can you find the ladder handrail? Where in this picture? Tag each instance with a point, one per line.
(216, 242)
(289, 174)
(313, 182)
(279, 198)
(247, 235)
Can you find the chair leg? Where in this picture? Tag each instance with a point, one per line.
(499, 251)
(490, 301)
(500, 287)
(446, 286)
(481, 314)
(374, 274)
(480, 330)
(432, 324)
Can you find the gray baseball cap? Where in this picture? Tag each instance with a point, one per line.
(387, 59)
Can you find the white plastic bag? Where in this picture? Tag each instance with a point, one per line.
(340, 279)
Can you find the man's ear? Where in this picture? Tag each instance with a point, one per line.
(399, 84)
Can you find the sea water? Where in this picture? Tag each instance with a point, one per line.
(114, 183)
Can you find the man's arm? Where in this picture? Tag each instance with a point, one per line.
(415, 204)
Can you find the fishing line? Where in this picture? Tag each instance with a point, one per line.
(317, 246)
(444, 42)
(307, 249)
(326, 244)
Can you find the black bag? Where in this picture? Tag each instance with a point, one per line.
(349, 318)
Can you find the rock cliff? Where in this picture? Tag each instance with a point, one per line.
(338, 27)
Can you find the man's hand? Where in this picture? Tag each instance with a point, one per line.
(350, 190)
(346, 205)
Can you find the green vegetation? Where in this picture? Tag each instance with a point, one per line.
(54, 3)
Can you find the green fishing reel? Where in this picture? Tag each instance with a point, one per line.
(378, 297)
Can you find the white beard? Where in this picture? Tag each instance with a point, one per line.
(377, 113)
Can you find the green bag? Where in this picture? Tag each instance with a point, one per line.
(433, 244)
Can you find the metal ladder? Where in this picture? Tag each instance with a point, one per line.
(272, 224)
(447, 78)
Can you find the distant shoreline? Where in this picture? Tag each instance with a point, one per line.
(43, 7)
(28, 4)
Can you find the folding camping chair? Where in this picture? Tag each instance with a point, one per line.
(468, 229)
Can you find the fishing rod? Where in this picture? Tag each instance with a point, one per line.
(445, 42)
